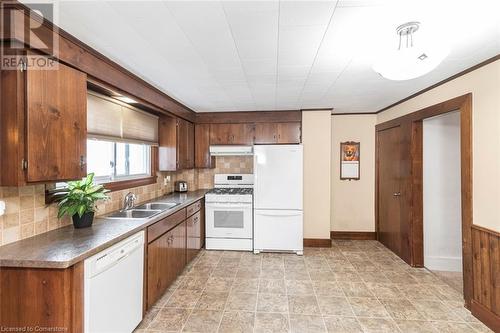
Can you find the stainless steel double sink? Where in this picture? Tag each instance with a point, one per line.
(143, 211)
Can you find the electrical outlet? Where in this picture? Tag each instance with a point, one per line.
(2, 207)
(166, 180)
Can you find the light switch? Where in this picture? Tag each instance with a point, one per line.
(2, 207)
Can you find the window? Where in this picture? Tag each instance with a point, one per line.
(115, 161)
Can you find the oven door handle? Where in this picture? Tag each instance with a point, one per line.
(228, 205)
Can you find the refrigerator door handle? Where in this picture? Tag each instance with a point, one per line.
(284, 213)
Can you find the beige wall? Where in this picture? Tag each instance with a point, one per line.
(353, 202)
(484, 84)
(316, 138)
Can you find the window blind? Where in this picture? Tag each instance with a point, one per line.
(112, 120)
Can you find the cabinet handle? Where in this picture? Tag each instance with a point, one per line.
(82, 162)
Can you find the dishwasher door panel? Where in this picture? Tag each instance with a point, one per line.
(114, 295)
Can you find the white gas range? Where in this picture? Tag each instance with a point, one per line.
(229, 213)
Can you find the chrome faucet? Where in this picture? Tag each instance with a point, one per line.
(129, 201)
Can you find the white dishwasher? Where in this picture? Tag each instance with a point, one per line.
(114, 287)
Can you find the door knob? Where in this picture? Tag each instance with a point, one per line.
(396, 194)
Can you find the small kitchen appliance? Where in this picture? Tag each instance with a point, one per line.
(181, 186)
(229, 213)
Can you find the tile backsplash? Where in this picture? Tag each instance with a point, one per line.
(27, 215)
(224, 164)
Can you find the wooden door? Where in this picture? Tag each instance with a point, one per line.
(266, 133)
(289, 132)
(389, 188)
(161, 268)
(56, 124)
(202, 158)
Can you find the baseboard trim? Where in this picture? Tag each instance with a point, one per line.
(433, 263)
(317, 242)
(488, 318)
(353, 235)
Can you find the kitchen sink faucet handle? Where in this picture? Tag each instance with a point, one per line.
(129, 201)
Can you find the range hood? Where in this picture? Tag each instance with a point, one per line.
(231, 150)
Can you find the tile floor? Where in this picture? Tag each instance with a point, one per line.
(355, 286)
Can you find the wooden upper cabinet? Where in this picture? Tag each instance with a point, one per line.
(176, 144)
(266, 133)
(185, 144)
(202, 158)
(277, 133)
(56, 124)
(231, 134)
(289, 132)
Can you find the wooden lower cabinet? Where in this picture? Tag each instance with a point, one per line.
(173, 243)
(166, 258)
(36, 297)
(193, 236)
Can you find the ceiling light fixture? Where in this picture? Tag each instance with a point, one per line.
(410, 61)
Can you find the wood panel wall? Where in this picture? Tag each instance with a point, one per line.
(486, 276)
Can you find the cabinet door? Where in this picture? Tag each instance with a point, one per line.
(190, 146)
(167, 150)
(193, 236)
(289, 132)
(242, 134)
(161, 269)
(185, 144)
(56, 124)
(231, 134)
(266, 133)
(179, 243)
(202, 156)
(220, 134)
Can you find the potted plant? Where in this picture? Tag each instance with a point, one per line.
(79, 201)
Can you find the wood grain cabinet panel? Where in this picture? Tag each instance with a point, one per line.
(193, 236)
(43, 125)
(202, 158)
(266, 133)
(160, 273)
(176, 144)
(277, 133)
(289, 133)
(185, 144)
(166, 258)
(231, 134)
(36, 297)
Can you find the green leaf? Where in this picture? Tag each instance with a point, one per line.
(81, 197)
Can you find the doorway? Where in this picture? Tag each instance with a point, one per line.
(442, 227)
(403, 232)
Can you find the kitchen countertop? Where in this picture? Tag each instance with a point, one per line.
(63, 247)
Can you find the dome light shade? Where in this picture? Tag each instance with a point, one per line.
(408, 61)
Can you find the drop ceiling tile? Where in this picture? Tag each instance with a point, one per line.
(214, 55)
(300, 13)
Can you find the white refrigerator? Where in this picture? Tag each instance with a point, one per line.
(278, 192)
